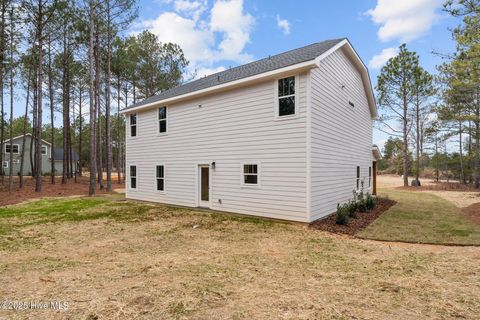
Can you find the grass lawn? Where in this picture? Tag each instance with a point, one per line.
(113, 259)
(422, 217)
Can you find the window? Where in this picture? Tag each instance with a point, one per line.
(133, 177)
(250, 174)
(44, 150)
(162, 119)
(133, 125)
(286, 96)
(5, 164)
(358, 177)
(160, 177)
(369, 176)
(15, 148)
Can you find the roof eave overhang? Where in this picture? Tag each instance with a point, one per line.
(377, 154)
(299, 67)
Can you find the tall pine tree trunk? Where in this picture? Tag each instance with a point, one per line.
(92, 151)
(24, 138)
(52, 118)
(38, 145)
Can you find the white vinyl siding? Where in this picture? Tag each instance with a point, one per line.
(229, 128)
(341, 135)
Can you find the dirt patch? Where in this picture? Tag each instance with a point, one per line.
(354, 225)
(49, 190)
(472, 212)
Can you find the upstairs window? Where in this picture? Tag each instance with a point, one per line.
(358, 177)
(250, 174)
(133, 177)
(133, 125)
(15, 148)
(162, 119)
(44, 150)
(160, 176)
(286, 96)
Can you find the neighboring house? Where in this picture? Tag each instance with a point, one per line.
(27, 168)
(286, 137)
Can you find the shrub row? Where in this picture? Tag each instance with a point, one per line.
(360, 203)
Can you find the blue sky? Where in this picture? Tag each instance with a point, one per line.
(216, 34)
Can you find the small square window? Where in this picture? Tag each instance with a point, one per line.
(5, 164)
(44, 150)
(250, 174)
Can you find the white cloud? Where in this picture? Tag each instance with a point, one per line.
(227, 17)
(404, 20)
(193, 9)
(202, 72)
(284, 25)
(380, 59)
(206, 35)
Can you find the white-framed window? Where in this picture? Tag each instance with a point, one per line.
(5, 164)
(162, 119)
(133, 125)
(358, 178)
(160, 178)
(286, 102)
(15, 148)
(250, 174)
(133, 177)
(44, 150)
(369, 177)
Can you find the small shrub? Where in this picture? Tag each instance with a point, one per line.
(342, 215)
(370, 202)
(362, 205)
(352, 209)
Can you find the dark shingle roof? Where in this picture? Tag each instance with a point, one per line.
(58, 155)
(278, 61)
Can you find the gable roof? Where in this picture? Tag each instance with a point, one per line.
(20, 136)
(302, 58)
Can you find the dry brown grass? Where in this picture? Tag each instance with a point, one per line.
(160, 267)
(459, 198)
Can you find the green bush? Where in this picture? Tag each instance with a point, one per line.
(342, 215)
(352, 209)
(370, 202)
(362, 205)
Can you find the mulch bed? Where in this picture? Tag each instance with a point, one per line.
(48, 190)
(354, 225)
(472, 212)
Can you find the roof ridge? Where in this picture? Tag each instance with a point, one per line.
(271, 62)
(269, 57)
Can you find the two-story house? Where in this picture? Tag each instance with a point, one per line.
(46, 156)
(286, 137)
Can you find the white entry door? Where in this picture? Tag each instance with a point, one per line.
(204, 186)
